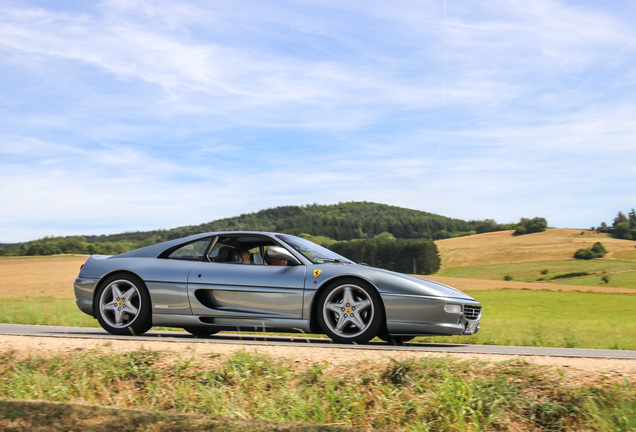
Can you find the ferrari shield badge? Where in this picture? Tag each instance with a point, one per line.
(317, 273)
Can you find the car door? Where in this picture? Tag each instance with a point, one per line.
(218, 289)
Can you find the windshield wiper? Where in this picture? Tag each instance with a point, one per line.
(330, 260)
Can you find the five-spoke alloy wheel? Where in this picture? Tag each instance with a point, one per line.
(123, 305)
(350, 311)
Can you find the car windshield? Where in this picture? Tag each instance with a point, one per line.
(313, 252)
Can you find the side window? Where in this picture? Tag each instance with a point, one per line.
(224, 252)
(191, 251)
(240, 249)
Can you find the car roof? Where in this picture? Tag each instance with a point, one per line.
(155, 250)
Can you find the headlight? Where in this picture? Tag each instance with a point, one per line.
(453, 309)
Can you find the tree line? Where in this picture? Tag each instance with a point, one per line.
(338, 222)
(385, 251)
(623, 226)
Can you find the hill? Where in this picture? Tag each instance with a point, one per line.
(500, 260)
(503, 248)
(337, 222)
(343, 221)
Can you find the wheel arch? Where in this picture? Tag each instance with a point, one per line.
(313, 316)
(141, 314)
(108, 275)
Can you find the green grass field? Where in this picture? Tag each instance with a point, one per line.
(555, 319)
(621, 274)
(511, 317)
(43, 311)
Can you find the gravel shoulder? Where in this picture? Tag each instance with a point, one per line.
(582, 370)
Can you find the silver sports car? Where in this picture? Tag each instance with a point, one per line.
(212, 282)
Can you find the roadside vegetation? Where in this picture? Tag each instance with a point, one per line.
(436, 394)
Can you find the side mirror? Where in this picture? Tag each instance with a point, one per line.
(282, 253)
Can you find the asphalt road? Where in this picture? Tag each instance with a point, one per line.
(254, 339)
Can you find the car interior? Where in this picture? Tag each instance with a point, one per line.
(228, 249)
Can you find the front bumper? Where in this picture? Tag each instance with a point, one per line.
(425, 316)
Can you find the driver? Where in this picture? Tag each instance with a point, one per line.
(246, 256)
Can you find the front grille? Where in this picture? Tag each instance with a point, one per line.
(472, 312)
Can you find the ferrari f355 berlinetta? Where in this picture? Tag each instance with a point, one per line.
(214, 282)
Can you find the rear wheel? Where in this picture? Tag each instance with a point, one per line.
(123, 305)
(350, 311)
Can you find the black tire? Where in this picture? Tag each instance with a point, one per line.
(200, 331)
(122, 305)
(350, 311)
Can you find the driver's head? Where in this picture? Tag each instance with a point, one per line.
(245, 256)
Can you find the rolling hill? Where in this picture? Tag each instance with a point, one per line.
(543, 260)
(343, 221)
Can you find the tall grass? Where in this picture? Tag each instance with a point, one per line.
(415, 395)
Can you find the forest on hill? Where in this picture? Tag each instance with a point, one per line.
(378, 234)
(325, 223)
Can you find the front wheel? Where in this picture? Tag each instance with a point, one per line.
(123, 305)
(350, 311)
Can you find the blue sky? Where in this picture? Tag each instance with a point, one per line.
(134, 115)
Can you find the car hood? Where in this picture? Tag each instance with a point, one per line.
(390, 282)
(437, 288)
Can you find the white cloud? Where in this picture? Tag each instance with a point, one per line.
(136, 115)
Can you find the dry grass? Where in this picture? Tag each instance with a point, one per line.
(503, 248)
(50, 277)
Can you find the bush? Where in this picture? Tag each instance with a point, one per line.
(598, 248)
(585, 254)
(596, 251)
(529, 226)
(570, 275)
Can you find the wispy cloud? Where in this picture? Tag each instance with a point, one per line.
(126, 115)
